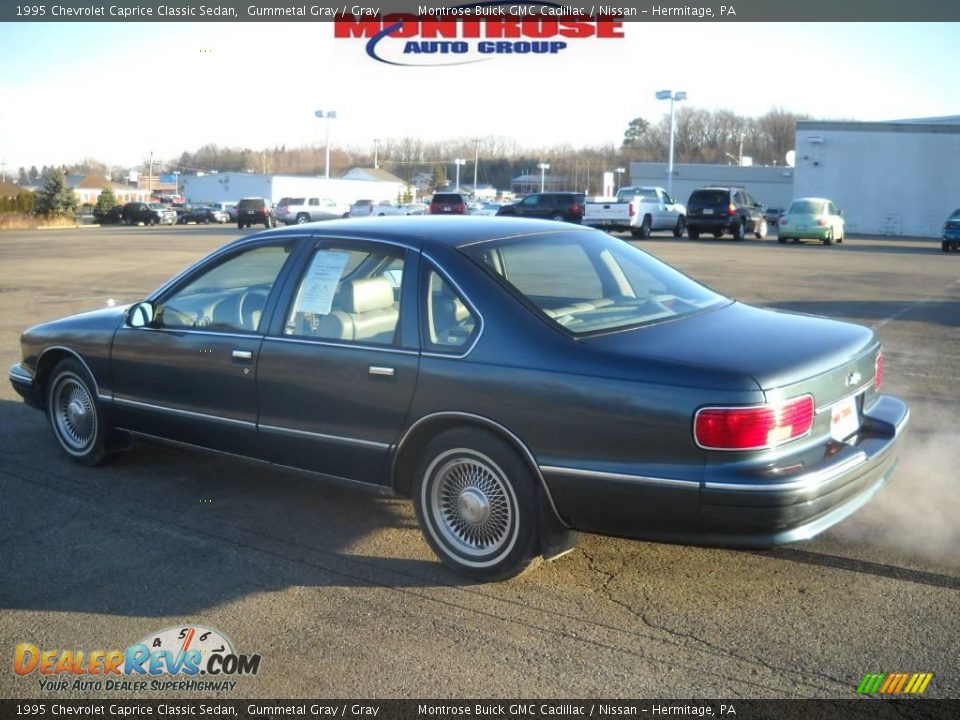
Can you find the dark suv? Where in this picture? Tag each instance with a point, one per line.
(255, 211)
(134, 213)
(720, 210)
(448, 203)
(566, 206)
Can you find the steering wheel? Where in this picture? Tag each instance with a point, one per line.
(253, 300)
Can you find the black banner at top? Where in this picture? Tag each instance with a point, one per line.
(311, 11)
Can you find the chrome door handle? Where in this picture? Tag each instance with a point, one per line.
(381, 371)
(242, 355)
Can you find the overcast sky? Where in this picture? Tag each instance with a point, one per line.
(116, 91)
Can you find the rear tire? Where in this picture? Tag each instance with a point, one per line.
(740, 231)
(693, 233)
(302, 218)
(680, 226)
(782, 240)
(476, 504)
(75, 415)
(718, 234)
(945, 246)
(645, 227)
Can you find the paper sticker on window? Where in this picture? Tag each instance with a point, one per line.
(320, 282)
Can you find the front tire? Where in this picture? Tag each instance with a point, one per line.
(302, 218)
(828, 240)
(645, 227)
(75, 414)
(476, 504)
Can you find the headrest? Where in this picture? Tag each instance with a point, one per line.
(361, 296)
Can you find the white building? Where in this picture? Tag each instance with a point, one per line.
(232, 186)
(773, 185)
(889, 178)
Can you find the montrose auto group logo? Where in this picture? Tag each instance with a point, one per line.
(478, 32)
(174, 659)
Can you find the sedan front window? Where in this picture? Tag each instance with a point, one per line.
(588, 282)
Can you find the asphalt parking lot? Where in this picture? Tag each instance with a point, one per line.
(338, 592)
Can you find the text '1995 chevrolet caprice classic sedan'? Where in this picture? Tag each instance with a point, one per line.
(518, 379)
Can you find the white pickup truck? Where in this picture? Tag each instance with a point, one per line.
(639, 210)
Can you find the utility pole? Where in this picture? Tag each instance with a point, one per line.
(376, 153)
(150, 176)
(3, 168)
(476, 165)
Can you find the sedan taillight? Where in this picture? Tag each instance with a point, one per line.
(783, 220)
(878, 371)
(753, 428)
(731, 209)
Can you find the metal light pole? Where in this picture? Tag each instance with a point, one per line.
(619, 172)
(476, 166)
(543, 174)
(329, 114)
(458, 162)
(376, 153)
(671, 96)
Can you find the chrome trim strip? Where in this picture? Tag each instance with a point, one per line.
(639, 479)
(381, 489)
(861, 389)
(470, 304)
(531, 461)
(105, 398)
(329, 343)
(322, 436)
(96, 386)
(807, 481)
(183, 413)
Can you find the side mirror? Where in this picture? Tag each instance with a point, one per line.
(140, 314)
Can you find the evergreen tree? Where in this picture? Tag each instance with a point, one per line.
(34, 174)
(105, 203)
(636, 129)
(56, 198)
(22, 177)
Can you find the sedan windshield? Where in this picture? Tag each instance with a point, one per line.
(588, 282)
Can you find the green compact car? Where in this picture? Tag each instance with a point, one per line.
(812, 219)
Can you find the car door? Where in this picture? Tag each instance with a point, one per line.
(338, 368)
(190, 375)
(529, 206)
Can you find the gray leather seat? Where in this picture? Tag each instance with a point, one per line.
(365, 311)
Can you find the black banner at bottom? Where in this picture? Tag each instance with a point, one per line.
(872, 708)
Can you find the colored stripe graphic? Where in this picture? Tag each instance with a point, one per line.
(894, 683)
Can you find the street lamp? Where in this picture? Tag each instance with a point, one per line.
(329, 114)
(458, 162)
(672, 97)
(619, 172)
(376, 153)
(543, 174)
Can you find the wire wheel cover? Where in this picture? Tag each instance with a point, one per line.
(74, 414)
(472, 506)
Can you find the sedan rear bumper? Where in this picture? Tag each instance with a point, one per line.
(813, 499)
(737, 509)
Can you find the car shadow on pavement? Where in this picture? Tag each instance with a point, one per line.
(160, 531)
(937, 313)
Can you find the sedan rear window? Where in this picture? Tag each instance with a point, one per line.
(806, 207)
(587, 282)
(709, 197)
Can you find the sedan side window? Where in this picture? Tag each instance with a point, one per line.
(229, 297)
(449, 322)
(349, 294)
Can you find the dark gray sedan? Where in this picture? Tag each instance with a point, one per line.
(518, 379)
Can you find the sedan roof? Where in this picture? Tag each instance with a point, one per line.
(426, 231)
